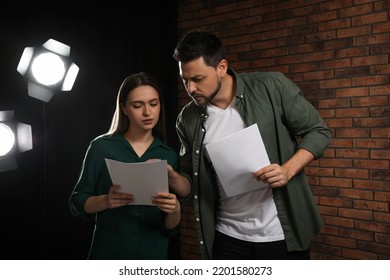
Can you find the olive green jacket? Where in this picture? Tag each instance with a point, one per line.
(283, 115)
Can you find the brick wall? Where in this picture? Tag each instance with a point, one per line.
(338, 54)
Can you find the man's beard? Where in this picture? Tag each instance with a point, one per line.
(215, 92)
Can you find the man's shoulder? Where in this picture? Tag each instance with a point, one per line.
(267, 79)
(190, 114)
(191, 108)
(262, 75)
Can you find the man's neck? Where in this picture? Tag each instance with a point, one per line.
(226, 93)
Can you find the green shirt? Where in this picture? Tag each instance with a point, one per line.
(282, 114)
(128, 232)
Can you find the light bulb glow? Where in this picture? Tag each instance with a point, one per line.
(48, 69)
(7, 139)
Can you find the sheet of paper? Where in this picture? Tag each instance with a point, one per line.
(143, 179)
(236, 157)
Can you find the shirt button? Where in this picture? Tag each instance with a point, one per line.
(195, 197)
(201, 242)
(196, 173)
(197, 219)
(197, 151)
(202, 129)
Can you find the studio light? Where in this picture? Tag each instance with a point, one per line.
(15, 138)
(48, 69)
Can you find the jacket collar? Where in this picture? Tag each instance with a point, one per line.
(238, 82)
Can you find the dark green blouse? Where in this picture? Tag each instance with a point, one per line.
(128, 232)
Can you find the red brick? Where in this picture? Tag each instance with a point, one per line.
(382, 196)
(353, 31)
(334, 24)
(327, 230)
(342, 162)
(336, 63)
(358, 254)
(371, 122)
(371, 164)
(372, 226)
(339, 241)
(350, 92)
(352, 72)
(371, 143)
(371, 185)
(352, 52)
(370, 18)
(357, 234)
(338, 221)
(380, 154)
(381, 27)
(381, 133)
(335, 201)
(380, 175)
(380, 112)
(370, 80)
(339, 143)
(370, 39)
(320, 171)
(380, 69)
(337, 44)
(370, 101)
(318, 56)
(373, 247)
(327, 251)
(356, 193)
(382, 238)
(382, 217)
(355, 10)
(352, 112)
(302, 30)
(336, 83)
(352, 173)
(352, 133)
(352, 153)
(328, 210)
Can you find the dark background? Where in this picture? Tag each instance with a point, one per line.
(108, 42)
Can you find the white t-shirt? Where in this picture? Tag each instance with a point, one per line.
(251, 216)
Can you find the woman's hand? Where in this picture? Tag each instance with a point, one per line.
(166, 202)
(116, 199)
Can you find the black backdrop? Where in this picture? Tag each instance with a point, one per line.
(108, 42)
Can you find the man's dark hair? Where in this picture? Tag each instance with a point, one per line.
(196, 44)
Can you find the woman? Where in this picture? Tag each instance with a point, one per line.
(122, 230)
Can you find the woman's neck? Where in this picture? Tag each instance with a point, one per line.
(139, 142)
(140, 138)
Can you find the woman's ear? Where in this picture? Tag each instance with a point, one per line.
(123, 108)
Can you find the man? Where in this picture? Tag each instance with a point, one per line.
(276, 222)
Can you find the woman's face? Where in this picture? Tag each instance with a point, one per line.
(142, 108)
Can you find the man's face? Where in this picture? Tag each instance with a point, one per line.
(201, 81)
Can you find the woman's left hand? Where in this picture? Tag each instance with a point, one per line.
(166, 202)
